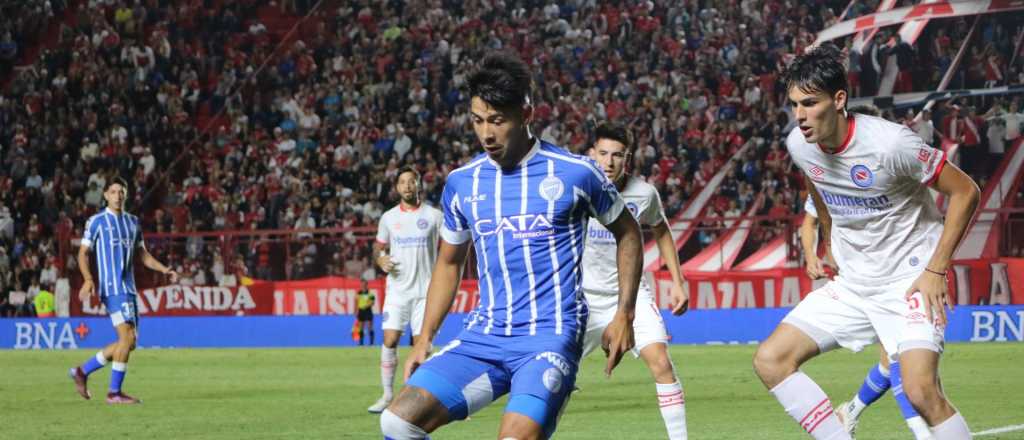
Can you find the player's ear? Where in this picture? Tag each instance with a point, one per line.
(527, 111)
(840, 101)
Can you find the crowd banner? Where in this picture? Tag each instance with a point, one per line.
(922, 11)
(702, 326)
(996, 281)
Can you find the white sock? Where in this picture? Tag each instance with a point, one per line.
(673, 409)
(856, 407)
(920, 428)
(388, 361)
(806, 403)
(954, 428)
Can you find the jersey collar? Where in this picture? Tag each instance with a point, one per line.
(851, 126)
(533, 152)
(402, 207)
(111, 212)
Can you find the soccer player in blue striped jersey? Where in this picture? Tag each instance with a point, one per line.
(523, 205)
(116, 238)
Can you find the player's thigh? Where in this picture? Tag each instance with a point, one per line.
(396, 313)
(648, 325)
(417, 308)
(541, 387)
(602, 308)
(461, 382)
(832, 316)
(419, 407)
(122, 309)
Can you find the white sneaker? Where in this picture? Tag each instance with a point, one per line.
(848, 421)
(380, 406)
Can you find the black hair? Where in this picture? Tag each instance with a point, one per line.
(866, 109)
(115, 181)
(819, 70)
(407, 169)
(503, 81)
(617, 133)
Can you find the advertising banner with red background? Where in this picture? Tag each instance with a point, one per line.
(988, 281)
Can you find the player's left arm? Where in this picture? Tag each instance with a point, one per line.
(618, 337)
(963, 196)
(151, 262)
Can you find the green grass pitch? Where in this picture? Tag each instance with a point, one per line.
(323, 393)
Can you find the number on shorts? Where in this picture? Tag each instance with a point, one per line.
(914, 303)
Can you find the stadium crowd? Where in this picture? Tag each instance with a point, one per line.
(241, 115)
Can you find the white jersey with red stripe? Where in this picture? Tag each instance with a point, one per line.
(412, 237)
(885, 225)
(600, 270)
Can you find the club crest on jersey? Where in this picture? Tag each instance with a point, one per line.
(551, 188)
(633, 209)
(862, 176)
(422, 224)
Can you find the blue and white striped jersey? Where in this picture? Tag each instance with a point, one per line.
(113, 238)
(528, 225)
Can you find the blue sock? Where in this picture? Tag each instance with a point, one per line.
(117, 372)
(94, 363)
(897, 392)
(875, 385)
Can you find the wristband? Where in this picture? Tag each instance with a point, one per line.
(942, 274)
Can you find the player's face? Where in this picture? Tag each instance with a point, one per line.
(408, 187)
(818, 115)
(115, 195)
(501, 132)
(612, 156)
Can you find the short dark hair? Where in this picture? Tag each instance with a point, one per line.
(866, 109)
(819, 70)
(617, 133)
(503, 81)
(115, 181)
(407, 169)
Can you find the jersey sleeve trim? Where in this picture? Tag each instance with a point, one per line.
(612, 213)
(455, 237)
(938, 169)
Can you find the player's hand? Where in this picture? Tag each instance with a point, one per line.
(419, 355)
(387, 265)
(934, 296)
(173, 274)
(680, 299)
(617, 340)
(830, 261)
(815, 268)
(86, 291)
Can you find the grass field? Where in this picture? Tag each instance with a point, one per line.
(323, 393)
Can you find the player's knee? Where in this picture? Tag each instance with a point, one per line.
(770, 362)
(923, 394)
(395, 427)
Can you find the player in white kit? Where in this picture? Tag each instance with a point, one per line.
(613, 149)
(406, 248)
(869, 180)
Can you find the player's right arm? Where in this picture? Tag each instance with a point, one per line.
(444, 282)
(90, 236)
(809, 242)
(824, 220)
(380, 247)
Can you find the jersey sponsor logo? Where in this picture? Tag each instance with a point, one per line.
(633, 209)
(862, 176)
(600, 236)
(852, 205)
(551, 188)
(120, 242)
(409, 242)
(817, 173)
(557, 360)
(422, 224)
(552, 380)
(521, 226)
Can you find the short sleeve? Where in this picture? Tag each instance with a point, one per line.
(604, 202)
(455, 228)
(910, 157)
(140, 242)
(654, 214)
(383, 235)
(91, 233)
(809, 207)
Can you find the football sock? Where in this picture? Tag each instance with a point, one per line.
(388, 361)
(954, 428)
(875, 385)
(673, 408)
(806, 403)
(117, 372)
(94, 363)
